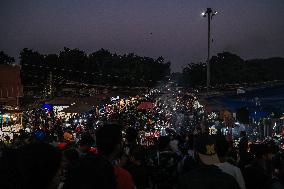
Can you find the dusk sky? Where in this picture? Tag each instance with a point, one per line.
(173, 29)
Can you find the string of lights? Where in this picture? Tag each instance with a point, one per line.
(71, 71)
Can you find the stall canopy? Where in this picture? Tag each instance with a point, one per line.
(78, 108)
(146, 105)
(62, 101)
(71, 100)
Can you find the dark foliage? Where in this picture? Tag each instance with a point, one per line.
(228, 68)
(6, 59)
(101, 67)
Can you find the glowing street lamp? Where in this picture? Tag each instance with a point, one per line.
(209, 14)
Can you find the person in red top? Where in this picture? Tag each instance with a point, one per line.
(123, 178)
(109, 145)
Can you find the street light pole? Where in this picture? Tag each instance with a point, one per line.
(209, 13)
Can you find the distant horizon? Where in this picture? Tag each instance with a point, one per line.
(17, 59)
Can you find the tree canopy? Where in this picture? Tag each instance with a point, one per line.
(229, 68)
(6, 59)
(101, 67)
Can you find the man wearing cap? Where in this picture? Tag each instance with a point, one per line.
(207, 175)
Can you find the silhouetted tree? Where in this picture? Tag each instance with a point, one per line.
(229, 68)
(194, 75)
(100, 67)
(33, 70)
(6, 59)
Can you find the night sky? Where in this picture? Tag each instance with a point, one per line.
(173, 29)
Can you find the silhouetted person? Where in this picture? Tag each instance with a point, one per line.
(136, 166)
(279, 167)
(207, 175)
(90, 172)
(109, 145)
(188, 162)
(258, 174)
(9, 174)
(131, 139)
(222, 147)
(38, 165)
(243, 150)
(85, 144)
(165, 164)
(69, 156)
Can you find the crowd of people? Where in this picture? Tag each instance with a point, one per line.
(111, 150)
(119, 161)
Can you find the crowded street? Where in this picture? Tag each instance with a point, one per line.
(159, 132)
